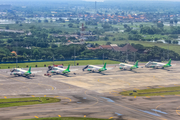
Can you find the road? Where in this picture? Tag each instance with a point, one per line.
(92, 94)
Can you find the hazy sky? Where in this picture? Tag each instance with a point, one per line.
(129, 0)
(88, 0)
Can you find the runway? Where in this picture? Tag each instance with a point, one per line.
(93, 95)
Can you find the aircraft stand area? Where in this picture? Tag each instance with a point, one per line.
(93, 94)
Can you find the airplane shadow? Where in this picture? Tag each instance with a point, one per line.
(65, 75)
(95, 72)
(128, 70)
(103, 74)
(161, 69)
(22, 77)
(134, 71)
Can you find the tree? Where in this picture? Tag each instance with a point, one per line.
(128, 29)
(175, 21)
(141, 25)
(63, 39)
(1, 41)
(125, 26)
(173, 36)
(54, 46)
(7, 27)
(10, 40)
(175, 42)
(36, 52)
(106, 38)
(61, 57)
(168, 41)
(134, 31)
(114, 22)
(108, 43)
(160, 25)
(70, 25)
(135, 37)
(171, 22)
(46, 21)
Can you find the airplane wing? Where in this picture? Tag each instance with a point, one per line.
(110, 68)
(73, 69)
(173, 64)
(35, 71)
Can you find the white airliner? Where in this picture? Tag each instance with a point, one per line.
(125, 66)
(158, 64)
(59, 70)
(94, 68)
(21, 72)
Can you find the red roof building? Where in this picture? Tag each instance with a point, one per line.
(128, 47)
(93, 48)
(105, 47)
(116, 48)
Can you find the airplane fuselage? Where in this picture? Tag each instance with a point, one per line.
(58, 70)
(125, 66)
(157, 65)
(95, 68)
(20, 72)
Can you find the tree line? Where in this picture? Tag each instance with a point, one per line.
(67, 52)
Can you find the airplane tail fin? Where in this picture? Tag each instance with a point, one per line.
(29, 71)
(104, 65)
(68, 68)
(136, 64)
(169, 63)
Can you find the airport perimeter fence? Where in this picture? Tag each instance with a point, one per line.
(8, 65)
(54, 60)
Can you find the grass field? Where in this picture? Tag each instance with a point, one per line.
(55, 25)
(65, 63)
(154, 92)
(26, 101)
(66, 118)
(175, 48)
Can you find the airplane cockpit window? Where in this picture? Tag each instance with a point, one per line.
(54, 68)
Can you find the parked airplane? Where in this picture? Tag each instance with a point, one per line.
(158, 64)
(58, 70)
(21, 72)
(125, 66)
(94, 68)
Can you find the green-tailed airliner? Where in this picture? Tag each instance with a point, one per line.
(158, 64)
(59, 70)
(125, 66)
(21, 72)
(94, 68)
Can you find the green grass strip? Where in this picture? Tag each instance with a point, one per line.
(66, 118)
(153, 92)
(65, 63)
(26, 101)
